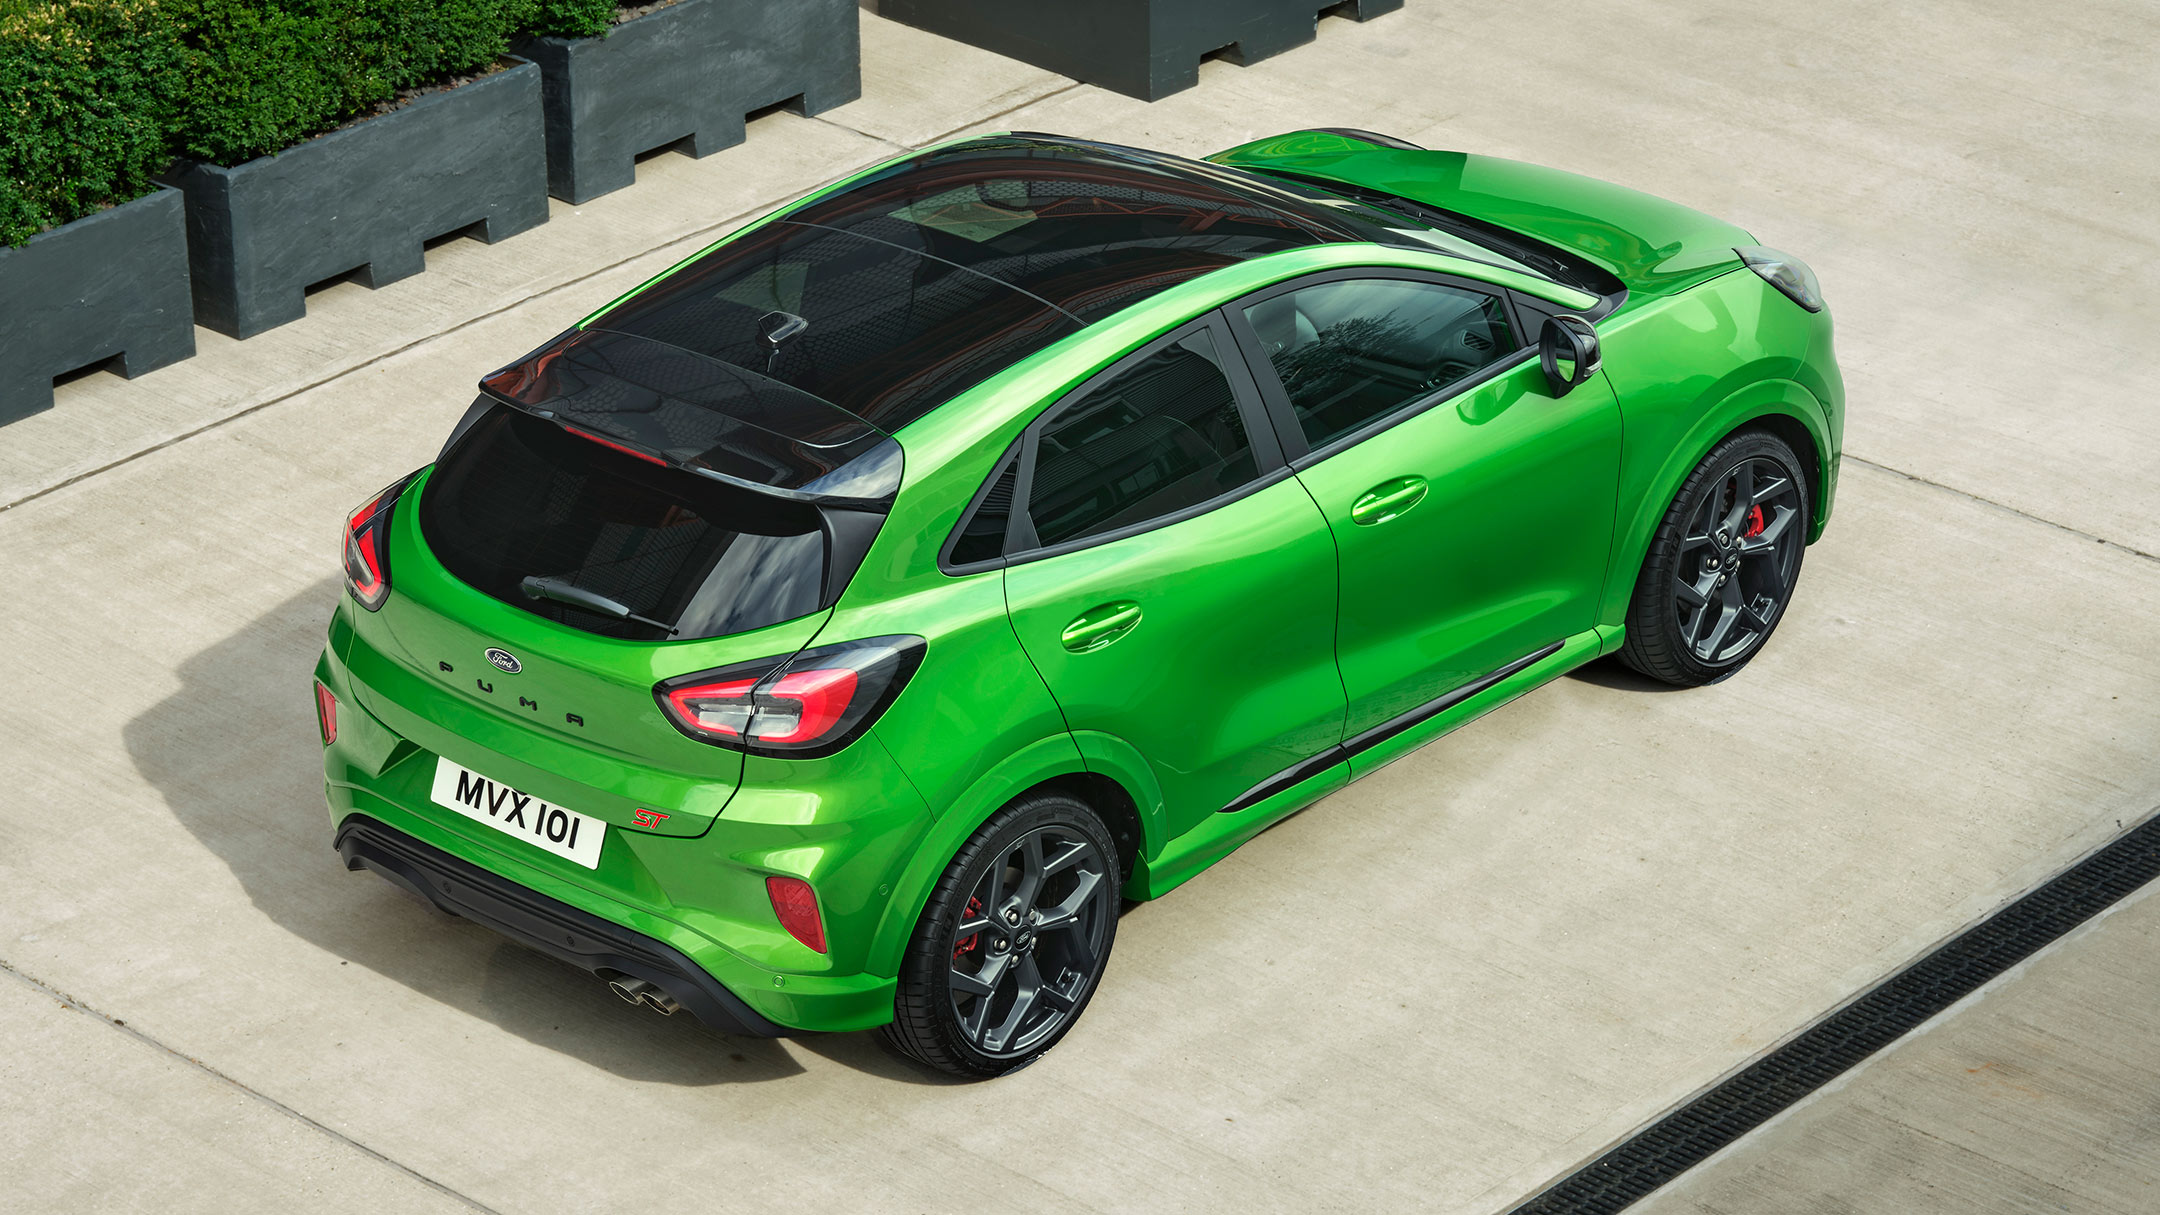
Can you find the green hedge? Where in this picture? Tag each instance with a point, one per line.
(89, 91)
(98, 96)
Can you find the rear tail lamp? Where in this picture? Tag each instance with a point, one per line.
(367, 546)
(802, 707)
(325, 713)
(796, 904)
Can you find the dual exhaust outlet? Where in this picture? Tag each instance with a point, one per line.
(639, 991)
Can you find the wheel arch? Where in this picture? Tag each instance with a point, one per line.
(1779, 406)
(1056, 764)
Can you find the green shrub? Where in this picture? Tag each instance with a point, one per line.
(262, 77)
(98, 96)
(88, 92)
(572, 18)
(265, 76)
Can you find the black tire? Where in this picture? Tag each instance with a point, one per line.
(1045, 940)
(1720, 571)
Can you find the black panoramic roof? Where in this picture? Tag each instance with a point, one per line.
(926, 277)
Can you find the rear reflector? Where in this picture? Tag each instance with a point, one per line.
(325, 713)
(796, 905)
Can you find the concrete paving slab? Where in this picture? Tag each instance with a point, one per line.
(2034, 1094)
(1436, 989)
(918, 87)
(99, 1120)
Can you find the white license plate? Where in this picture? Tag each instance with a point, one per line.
(566, 833)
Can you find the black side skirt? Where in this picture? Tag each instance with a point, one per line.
(1301, 772)
(548, 925)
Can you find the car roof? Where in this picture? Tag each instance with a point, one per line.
(926, 276)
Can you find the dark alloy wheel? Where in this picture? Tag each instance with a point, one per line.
(1013, 941)
(1723, 564)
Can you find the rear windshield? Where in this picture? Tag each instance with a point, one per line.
(519, 497)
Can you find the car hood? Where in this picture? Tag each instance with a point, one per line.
(1653, 246)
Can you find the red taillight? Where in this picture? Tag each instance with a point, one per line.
(367, 560)
(810, 705)
(796, 905)
(325, 713)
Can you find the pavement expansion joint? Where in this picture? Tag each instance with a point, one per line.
(1850, 458)
(48, 990)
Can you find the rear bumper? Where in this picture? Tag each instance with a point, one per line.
(681, 912)
(554, 928)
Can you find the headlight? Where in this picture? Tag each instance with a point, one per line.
(1786, 273)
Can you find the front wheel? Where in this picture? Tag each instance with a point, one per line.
(1013, 941)
(1722, 565)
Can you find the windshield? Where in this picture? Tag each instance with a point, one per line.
(1462, 236)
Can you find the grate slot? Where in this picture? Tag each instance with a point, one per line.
(1886, 1012)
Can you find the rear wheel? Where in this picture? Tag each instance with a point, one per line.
(1013, 941)
(1722, 565)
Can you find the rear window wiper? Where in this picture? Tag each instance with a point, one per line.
(558, 591)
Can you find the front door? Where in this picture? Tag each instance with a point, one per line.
(1471, 509)
(1171, 581)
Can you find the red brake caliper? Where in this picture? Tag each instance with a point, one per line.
(974, 940)
(1754, 522)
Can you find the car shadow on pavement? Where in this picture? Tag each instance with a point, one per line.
(233, 750)
(1610, 672)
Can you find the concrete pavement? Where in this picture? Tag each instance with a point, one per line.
(2035, 1094)
(1436, 989)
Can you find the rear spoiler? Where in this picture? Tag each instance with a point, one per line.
(706, 417)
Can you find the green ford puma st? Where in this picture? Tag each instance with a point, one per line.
(828, 633)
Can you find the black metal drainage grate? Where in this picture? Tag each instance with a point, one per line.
(1684, 1138)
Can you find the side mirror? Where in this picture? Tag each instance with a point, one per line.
(1568, 340)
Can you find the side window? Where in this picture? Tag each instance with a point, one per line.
(1156, 438)
(1355, 350)
(982, 534)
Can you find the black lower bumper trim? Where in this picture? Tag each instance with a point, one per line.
(548, 925)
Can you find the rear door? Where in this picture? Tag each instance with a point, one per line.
(1173, 584)
(1472, 510)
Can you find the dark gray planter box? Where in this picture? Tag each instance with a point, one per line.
(109, 288)
(365, 200)
(687, 74)
(1144, 48)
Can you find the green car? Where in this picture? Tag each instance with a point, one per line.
(829, 633)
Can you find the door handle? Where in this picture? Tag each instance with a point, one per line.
(1388, 500)
(1099, 626)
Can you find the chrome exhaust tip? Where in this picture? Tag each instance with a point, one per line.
(645, 994)
(630, 989)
